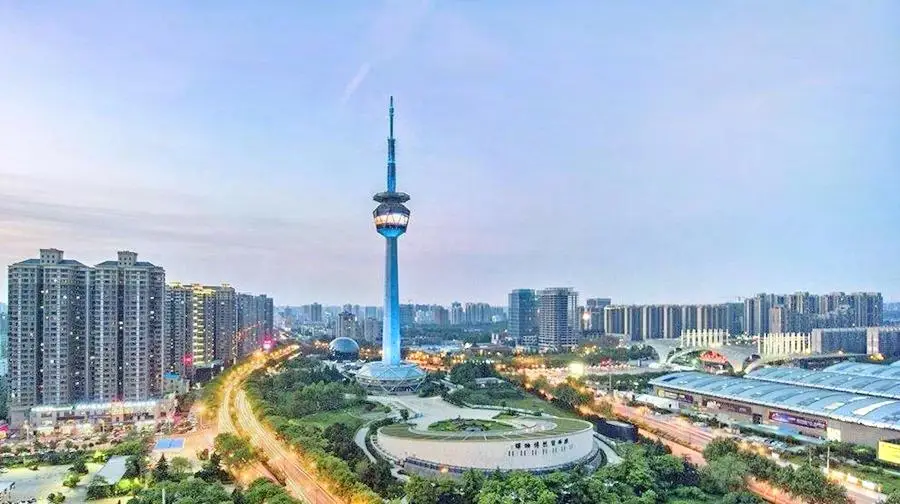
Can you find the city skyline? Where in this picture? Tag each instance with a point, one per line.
(667, 155)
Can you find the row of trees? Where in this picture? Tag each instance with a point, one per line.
(730, 467)
(648, 474)
(197, 491)
(305, 386)
(467, 372)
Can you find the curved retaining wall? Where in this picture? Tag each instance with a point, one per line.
(527, 454)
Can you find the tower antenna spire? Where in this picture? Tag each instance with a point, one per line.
(392, 164)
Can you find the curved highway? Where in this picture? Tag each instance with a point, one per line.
(297, 481)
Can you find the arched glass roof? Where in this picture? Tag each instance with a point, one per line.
(867, 384)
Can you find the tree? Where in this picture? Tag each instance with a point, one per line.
(726, 474)
(134, 467)
(178, 467)
(56, 498)
(432, 491)
(741, 498)
(809, 482)
(719, 447)
(211, 470)
(71, 480)
(78, 467)
(404, 414)
(203, 454)
(518, 487)
(470, 485)
(188, 491)
(98, 489)
(235, 451)
(161, 469)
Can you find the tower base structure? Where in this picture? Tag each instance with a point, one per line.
(380, 378)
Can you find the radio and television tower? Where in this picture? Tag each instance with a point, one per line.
(391, 219)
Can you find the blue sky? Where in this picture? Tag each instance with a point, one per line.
(646, 151)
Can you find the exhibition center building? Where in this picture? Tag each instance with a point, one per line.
(842, 403)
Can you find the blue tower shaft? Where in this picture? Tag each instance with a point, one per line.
(391, 325)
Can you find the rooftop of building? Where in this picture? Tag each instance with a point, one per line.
(865, 369)
(539, 429)
(857, 384)
(878, 412)
(138, 264)
(37, 262)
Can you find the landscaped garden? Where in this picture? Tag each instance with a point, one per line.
(469, 425)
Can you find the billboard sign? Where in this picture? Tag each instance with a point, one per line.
(727, 406)
(889, 452)
(809, 423)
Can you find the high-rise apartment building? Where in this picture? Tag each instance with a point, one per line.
(652, 321)
(256, 320)
(457, 315)
(4, 340)
(614, 320)
(407, 315)
(371, 329)
(689, 321)
(346, 325)
(557, 318)
(201, 325)
(225, 330)
(522, 326)
(315, 313)
(671, 321)
(126, 329)
(478, 313)
(594, 319)
(47, 326)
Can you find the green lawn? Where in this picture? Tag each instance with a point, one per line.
(533, 403)
(353, 417)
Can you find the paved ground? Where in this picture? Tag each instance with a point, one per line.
(432, 409)
(46, 480)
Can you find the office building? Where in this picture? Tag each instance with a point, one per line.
(522, 326)
(557, 318)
